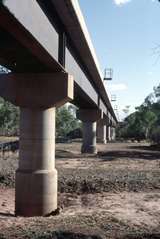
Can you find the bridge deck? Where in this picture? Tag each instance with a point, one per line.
(51, 36)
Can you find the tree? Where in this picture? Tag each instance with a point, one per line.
(65, 121)
(10, 114)
(9, 118)
(139, 125)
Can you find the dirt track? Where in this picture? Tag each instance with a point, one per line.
(115, 194)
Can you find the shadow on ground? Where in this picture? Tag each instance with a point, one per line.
(6, 214)
(60, 154)
(117, 154)
(57, 235)
(70, 235)
(65, 154)
(142, 236)
(147, 148)
(134, 152)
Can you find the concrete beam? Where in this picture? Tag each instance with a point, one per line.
(73, 20)
(18, 18)
(37, 90)
(89, 115)
(80, 77)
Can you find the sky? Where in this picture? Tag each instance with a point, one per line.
(126, 36)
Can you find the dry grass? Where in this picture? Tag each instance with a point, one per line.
(114, 194)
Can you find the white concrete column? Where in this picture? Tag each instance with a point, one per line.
(113, 134)
(89, 137)
(101, 132)
(36, 177)
(108, 133)
(89, 118)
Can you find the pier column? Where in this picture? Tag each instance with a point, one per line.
(89, 118)
(36, 177)
(37, 95)
(89, 138)
(108, 133)
(113, 133)
(101, 131)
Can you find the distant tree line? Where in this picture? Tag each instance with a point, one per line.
(144, 123)
(10, 116)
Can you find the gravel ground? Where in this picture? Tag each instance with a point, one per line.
(114, 194)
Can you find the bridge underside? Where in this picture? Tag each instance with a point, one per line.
(45, 45)
(44, 59)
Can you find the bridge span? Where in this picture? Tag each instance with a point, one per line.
(47, 47)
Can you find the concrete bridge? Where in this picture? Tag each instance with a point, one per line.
(47, 47)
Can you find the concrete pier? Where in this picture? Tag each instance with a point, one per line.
(102, 131)
(113, 134)
(37, 95)
(108, 132)
(36, 177)
(89, 138)
(89, 118)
